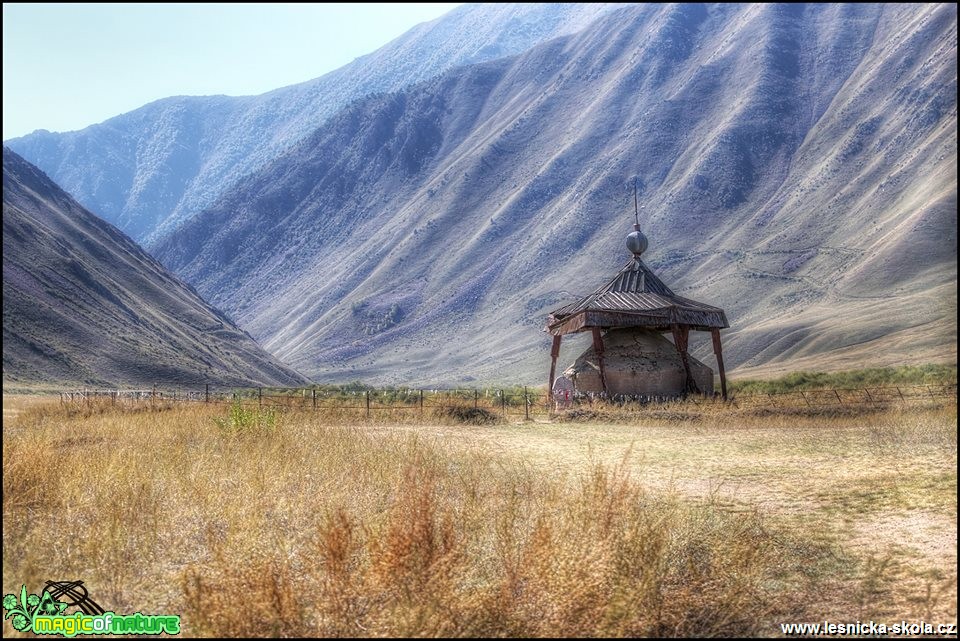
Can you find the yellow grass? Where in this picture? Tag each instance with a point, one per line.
(708, 522)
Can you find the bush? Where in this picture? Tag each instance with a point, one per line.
(242, 420)
(467, 415)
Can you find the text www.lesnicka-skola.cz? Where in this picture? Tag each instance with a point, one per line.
(859, 628)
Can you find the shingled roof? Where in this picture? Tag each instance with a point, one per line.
(635, 297)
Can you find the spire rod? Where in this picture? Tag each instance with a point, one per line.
(636, 241)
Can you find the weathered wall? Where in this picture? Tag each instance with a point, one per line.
(637, 362)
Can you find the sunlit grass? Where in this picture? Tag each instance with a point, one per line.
(252, 522)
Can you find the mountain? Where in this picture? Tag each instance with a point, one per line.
(83, 304)
(148, 170)
(796, 163)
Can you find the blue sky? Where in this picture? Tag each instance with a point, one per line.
(69, 66)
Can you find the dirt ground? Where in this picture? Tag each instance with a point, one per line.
(882, 488)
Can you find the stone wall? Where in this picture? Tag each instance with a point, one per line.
(637, 362)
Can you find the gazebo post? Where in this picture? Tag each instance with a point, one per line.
(718, 350)
(598, 349)
(680, 334)
(554, 353)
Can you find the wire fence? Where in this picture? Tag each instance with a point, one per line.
(517, 402)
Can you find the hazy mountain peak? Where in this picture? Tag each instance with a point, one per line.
(148, 170)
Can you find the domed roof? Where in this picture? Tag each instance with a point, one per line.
(635, 297)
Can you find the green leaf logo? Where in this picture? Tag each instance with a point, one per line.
(28, 606)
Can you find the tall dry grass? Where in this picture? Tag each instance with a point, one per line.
(309, 528)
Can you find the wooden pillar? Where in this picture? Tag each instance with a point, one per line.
(680, 335)
(554, 353)
(719, 352)
(598, 349)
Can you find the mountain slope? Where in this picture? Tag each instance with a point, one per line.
(150, 169)
(83, 304)
(797, 164)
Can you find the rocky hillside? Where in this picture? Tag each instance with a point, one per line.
(796, 163)
(84, 305)
(148, 170)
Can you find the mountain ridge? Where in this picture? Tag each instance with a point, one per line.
(793, 147)
(150, 169)
(83, 304)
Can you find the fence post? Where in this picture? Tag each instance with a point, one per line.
(259, 397)
(367, 394)
(526, 404)
(503, 403)
(476, 399)
(901, 395)
(206, 392)
(837, 394)
(421, 403)
(314, 398)
(805, 398)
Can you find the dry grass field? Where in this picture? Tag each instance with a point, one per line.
(671, 522)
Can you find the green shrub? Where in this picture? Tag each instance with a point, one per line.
(930, 374)
(243, 420)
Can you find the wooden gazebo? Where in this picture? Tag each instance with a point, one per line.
(636, 298)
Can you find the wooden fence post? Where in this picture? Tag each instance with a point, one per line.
(503, 403)
(259, 397)
(206, 392)
(314, 398)
(526, 404)
(421, 403)
(367, 394)
(476, 398)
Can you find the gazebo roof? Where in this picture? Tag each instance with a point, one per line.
(635, 297)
